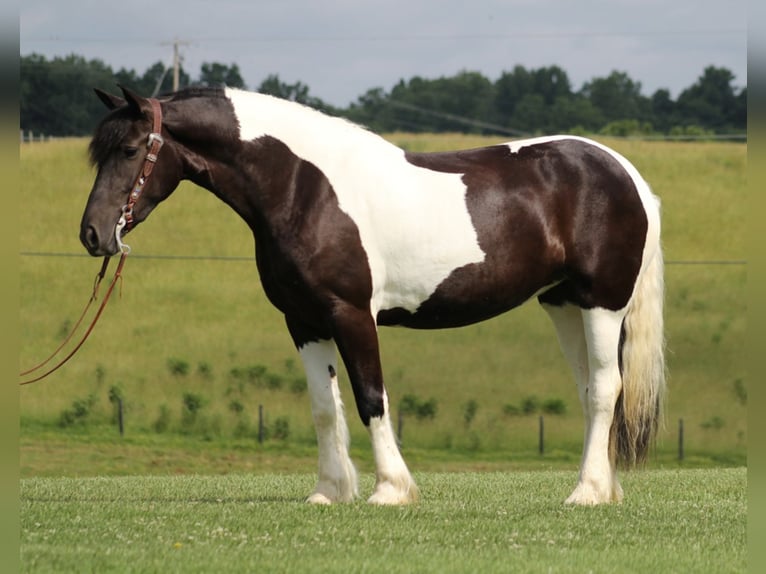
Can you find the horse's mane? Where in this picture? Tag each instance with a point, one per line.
(109, 132)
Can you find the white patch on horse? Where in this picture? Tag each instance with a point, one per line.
(393, 482)
(413, 222)
(337, 481)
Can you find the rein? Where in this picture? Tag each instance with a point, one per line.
(124, 224)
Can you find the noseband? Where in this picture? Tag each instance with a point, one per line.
(154, 143)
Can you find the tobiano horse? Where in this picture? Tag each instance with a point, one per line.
(352, 233)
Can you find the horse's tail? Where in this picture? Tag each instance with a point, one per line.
(638, 412)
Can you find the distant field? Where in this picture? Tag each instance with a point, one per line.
(203, 327)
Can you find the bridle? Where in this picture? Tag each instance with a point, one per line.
(124, 224)
(155, 142)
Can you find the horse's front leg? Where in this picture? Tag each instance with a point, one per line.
(356, 335)
(337, 480)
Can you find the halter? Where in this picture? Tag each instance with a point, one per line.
(125, 222)
(154, 143)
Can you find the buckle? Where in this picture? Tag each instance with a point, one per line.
(155, 137)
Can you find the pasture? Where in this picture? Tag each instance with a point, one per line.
(192, 348)
(199, 331)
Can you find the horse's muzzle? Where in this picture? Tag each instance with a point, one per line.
(90, 238)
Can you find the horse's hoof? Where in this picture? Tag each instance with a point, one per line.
(588, 495)
(318, 498)
(386, 494)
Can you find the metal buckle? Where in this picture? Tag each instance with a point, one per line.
(155, 137)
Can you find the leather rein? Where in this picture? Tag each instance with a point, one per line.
(124, 224)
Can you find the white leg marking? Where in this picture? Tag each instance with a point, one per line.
(571, 334)
(337, 475)
(598, 482)
(393, 484)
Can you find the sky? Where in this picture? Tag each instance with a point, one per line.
(343, 48)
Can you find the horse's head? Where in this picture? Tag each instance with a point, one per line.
(119, 150)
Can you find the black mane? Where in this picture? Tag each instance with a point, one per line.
(109, 133)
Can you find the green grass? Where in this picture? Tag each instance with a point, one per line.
(671, 521)
(214, 313)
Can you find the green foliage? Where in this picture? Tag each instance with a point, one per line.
(78, 412)
(511, 410)
(219, 75)
(281, 428)
(530, 405)
(740, 391)
(178, 367)
(627, 128)
(205, 371)
(714, 423)
(554, 407)
(162, 423)
(469, 411)
(412, 405)
(192, 404)
(56, 99)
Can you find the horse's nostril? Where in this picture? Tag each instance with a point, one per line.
(91, 238)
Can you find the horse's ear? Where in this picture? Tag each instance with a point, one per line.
(110, 101)
(139, 103)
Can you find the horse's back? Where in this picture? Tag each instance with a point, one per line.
(559, 214)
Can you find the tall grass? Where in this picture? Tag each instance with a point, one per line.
(213, 315)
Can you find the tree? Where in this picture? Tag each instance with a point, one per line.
(297, 92)
(617, 97)
(215, 74)
(57, 96)
(664, 110)
(711, 101)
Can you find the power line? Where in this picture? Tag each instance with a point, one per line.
(533, 35)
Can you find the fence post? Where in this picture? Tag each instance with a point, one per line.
(119, 416)
(542, 436)
(260, 424)
(680, 439)
(399, 427)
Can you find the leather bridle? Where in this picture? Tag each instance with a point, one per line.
(154, 143)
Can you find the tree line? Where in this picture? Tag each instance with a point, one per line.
(56, 99)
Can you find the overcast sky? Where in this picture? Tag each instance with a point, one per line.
(342, 48)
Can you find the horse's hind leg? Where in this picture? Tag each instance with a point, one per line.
(337, 475)
(590, 341)
(571, 334)
(598, 482)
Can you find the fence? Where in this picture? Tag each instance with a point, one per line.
(30, 136)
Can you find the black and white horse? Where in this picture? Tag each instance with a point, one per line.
(352, 233)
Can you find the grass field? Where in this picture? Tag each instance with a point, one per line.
(187, 491)
(672, 521)
(210, 317)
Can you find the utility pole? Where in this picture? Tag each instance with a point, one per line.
(176, 61)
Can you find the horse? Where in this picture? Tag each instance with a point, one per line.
(352, 233)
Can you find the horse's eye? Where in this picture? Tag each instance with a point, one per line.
(130, 152)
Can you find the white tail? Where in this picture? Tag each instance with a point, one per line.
(638, 412)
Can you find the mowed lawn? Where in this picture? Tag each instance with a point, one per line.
(670, 521)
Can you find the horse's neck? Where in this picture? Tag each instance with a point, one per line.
(310, 135)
